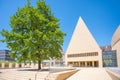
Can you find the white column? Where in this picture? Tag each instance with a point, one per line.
(3, 65)
(10, 65)
(17, 65)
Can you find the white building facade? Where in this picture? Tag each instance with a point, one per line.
(83, 50)
(116, 44)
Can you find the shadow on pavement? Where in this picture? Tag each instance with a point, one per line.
(51, 70)
(33, 70)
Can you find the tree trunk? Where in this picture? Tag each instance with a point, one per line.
(39, 65)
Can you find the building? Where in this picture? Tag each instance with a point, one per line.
(55, 62)
(116, 44)
(4, 56)
(106, 48)
(83, 50)
(109, 58)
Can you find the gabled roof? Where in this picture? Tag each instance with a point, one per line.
(82, 40)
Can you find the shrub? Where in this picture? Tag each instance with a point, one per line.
(13, 64)
(6, 64)
(0, 64)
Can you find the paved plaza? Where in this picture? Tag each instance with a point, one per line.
(21, 74)
(30, 73)
(33, 74)
(91, 74)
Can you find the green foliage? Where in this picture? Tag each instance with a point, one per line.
(35, 34)
(0, 64)
(6, 64)
(13, 64)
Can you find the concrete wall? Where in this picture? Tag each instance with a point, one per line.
(16, 65)
(117, 47)
(116, 44)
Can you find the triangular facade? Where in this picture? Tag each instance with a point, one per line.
(82, 42)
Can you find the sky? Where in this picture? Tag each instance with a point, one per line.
(102, 17)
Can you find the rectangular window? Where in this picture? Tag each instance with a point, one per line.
(83, 54)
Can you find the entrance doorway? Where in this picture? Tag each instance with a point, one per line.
(82, 64)
(96, 64)
(89, 64)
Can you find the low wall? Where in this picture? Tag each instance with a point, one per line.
(8, 65)
(115, 76)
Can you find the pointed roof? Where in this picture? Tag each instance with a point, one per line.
(116, 36)
(82, 40)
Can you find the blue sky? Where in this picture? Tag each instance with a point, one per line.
(102, 17)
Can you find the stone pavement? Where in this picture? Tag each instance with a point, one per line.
(18, 74)
(33, 74)
(91, 74)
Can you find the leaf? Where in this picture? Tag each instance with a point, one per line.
(44, 37)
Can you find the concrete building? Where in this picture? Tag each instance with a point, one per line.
(4, 56)
(116, 44)
(55, 62)
(83, 50)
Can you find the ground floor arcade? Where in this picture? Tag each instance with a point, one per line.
(84, 63)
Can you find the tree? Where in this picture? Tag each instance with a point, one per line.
(35, 34)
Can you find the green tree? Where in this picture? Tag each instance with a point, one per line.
(35, 34)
